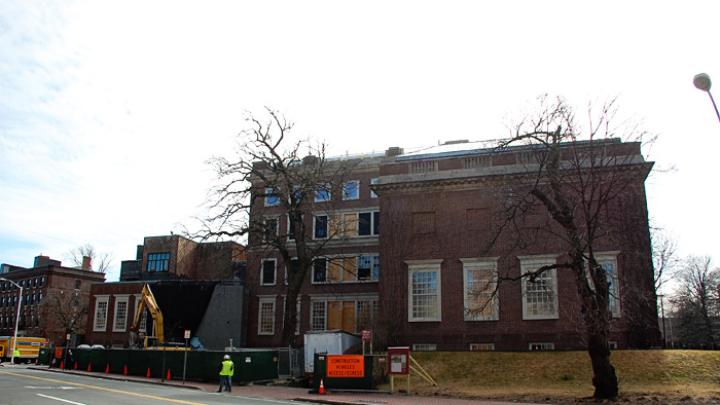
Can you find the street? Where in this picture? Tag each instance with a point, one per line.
(24, 386)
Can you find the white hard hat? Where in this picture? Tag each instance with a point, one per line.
(226, 357)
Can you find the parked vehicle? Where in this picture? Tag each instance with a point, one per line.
(29, 347)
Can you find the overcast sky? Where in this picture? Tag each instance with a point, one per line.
(109, 110)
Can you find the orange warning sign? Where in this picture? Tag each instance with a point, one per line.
(345, 366)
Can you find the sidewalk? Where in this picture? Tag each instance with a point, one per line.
(291, 393)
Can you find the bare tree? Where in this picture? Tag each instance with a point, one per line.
(267, 192)
(100, 262)
(587, 182)
(64, 311)
(665, 260)
(697, 302)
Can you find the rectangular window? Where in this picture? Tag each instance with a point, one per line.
(424, 347)
(351, 190)
(368, 268)
(541, 346)
(266, 316)
(267, 276)
(143, 317)
(424, 291)
(320, 227)
(158, 261)
(373, 181)
(271, 199)
(318, 315)
(290, 229)
(121, 312)
(322, 194)
(480, 282)
(319, 270)
(368, 223)
(101, 312)
(608, 261)
(539, 293)
(270, 229)
(482, 347)
(366, 314)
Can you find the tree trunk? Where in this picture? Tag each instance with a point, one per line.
(604, 378)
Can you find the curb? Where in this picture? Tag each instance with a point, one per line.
(327, 401)
(114, 377)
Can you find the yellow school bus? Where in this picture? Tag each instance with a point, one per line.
(29, 347)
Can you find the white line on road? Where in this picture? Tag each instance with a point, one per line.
(60, 399)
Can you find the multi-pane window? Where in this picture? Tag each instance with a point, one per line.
(271, 199)
(351, 190)
(318, 315)
(121, 312)
(143, 317)
(322, 194)
(482, 347)
(290, 229)
(424, 293)
(320, 227)
(608, 261)
(541, 346)
(424, 347)
(374, 181)
(319, 270)
(368, 223)
(270, 229)
(368, 268)
(266, 316)
(540, 300)
(267, 273)
(158, 261)
(101, 312)
(480, 282)
(366, 313)
(297, 314)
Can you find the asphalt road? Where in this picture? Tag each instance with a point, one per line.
(22, 386)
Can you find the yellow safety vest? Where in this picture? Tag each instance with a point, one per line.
(16, 353)
(227, 368)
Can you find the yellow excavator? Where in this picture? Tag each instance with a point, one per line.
(148, 301)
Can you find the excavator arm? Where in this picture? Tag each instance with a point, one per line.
(148, 301)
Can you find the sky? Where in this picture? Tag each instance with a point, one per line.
(110, 110)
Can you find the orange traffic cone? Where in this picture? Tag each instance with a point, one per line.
(168, 376)
(125, 370)
(321, 391)
(107, 369)
(147, 375)
(62, 365)
(89, 369)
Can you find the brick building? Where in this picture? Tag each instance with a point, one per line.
(439, 209)
(188, 279)
(54, 301)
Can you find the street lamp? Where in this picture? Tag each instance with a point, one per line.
(702, 82)
(17, 317)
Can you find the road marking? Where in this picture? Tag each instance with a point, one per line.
(39, 387)
(60, 399)
(95, 387)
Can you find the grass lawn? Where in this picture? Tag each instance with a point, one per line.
(667, 375)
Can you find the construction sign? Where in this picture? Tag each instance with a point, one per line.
(345, 366)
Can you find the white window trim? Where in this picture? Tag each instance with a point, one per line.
(372, 264)
(312, 270)
(374, 180)
(143, 318)
(612, 256)
(357, 187)
(532, 263)
(262, 271)
(481, 347)
(99, 299)
(325, 318)
(287, 219)
(423, 266)
(126, 300)
(268, 193)
(328, 189)
(372, 223)
(261, 301)
(482, 263)
(327, 226)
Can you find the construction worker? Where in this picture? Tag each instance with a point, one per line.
(226, 371)
(16, 354)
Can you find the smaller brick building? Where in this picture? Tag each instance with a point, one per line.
(54, 301)
(189, 280)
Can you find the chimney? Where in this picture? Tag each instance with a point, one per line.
(87, 263)
(393, 151)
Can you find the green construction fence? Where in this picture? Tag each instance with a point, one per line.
(201, 365)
